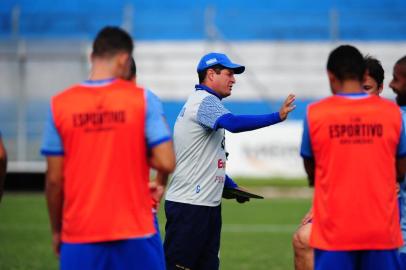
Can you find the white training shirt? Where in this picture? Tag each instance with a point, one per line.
(200, 152)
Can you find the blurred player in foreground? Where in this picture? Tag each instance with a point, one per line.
(3, 166)
(303, 253)
(96, 142)
(398, 85)
(193, 199)
(157, 187)
(355, 221)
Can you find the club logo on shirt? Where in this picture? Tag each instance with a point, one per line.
(197, 188)
(356, 132)
(182, 112)
(99, 120)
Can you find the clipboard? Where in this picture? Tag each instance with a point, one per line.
(233, 193)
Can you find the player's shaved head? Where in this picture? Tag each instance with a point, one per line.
(346, 63)
(402, 63)
(111, 41)
(398, 83)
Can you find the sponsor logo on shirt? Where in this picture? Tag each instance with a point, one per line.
(219, 179)
(221, 164)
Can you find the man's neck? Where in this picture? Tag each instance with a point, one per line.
(350, 87)
(101, 70)
(212, 90)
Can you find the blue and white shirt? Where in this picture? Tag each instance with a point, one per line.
(200, 151)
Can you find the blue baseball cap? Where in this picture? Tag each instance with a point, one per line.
(213, 58)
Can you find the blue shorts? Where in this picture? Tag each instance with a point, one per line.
(138, 253)
(192, 239)
(357, 260)
(402, 257)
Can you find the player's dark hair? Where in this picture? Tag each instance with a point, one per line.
(202, 74)
(346, 63)
(375, 69)
(110, 41)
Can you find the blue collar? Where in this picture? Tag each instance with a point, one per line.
(98, 82)
(207, 89)
(352, 94)
(403, 108)
(359, 95)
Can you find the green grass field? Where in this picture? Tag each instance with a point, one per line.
(256, 235)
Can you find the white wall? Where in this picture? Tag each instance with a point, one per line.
(271, 151)
(273, 68)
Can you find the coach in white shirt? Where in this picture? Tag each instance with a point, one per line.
(193, 199)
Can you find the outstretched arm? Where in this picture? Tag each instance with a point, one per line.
(240, 123)
(287, 106)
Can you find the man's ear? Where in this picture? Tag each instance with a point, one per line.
(334, 82)
(123, 59)
(209, 74)
(331, 77)
(91, 57)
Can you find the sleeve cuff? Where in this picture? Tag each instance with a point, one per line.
(229, 183)
(278, 117)
(306, 155)
(215, 126)
(52, 153)
(158, 142)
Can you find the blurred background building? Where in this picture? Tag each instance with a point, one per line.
(45, 46)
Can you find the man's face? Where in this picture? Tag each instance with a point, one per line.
(371, 86)
(223, 82)
(398, 84)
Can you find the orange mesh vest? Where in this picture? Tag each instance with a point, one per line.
(354, 143)
(106, 195)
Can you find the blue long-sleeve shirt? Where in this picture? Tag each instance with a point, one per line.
(240, 123)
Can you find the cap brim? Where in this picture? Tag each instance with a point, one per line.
(238, 69)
